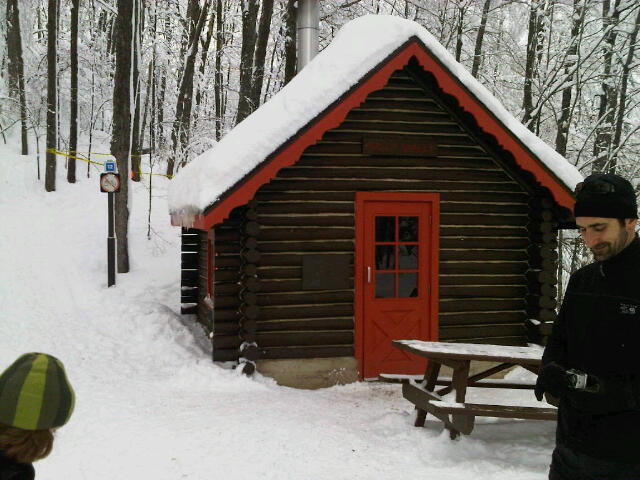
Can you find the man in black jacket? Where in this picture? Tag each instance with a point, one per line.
(592, 360)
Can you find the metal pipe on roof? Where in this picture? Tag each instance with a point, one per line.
(308, 20)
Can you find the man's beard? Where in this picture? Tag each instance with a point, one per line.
(606, 250)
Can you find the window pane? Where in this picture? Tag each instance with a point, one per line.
(408, 257)
(385, 257)
(385, 285)
(407, 285)
(408, 229)
(385, 229)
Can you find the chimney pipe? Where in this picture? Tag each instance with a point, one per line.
(308, 19)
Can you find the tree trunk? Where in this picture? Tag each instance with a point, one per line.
(459, 30)
(622, 105)
(290, 58)
(530, 67)
(218, 76)
(261, 53)
(121, 130)
(570, 67)
(73, 120)
(477, 55)
(136, 147)
(607, 104)
(205, 45)
(249, 17)
(16, 67)
(50, 168)
(182, 122)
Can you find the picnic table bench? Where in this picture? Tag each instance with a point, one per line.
(459, 416)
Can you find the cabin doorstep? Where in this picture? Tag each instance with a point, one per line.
(409, 206)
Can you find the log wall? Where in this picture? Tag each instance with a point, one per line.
(309, 209)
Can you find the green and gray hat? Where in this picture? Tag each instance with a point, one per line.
(35, 393)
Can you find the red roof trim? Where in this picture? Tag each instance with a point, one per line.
(289, 153)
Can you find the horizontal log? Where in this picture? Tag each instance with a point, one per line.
(333, 148)
(279, 272)
(306, 233)
(307, 207)
(541, 215)
(251, 228)
(249, 298)
(251, 256)
(415, 103)
(195, 247)
(314, 158)
(225, 301)
(483, 254)
(541, 276)
(225, 314)
(429, 127)
(472, 318)
(189, 277)
(250, 352)
(302, 298)
(541, 203)
(286, 259)
(486, 242)
(266, 197)
(226, 275)
(225, 341)
(463, 332)
(545, 289)
(415, 95)
(228, 248)
(228, 328)
(306, 220)
(226, 261)
(225, 355)
(298, 339)
(435, 118)
(337, 323)
(390, 173)
(189, 309)
(308, 246)
(308, 352)
(488, 279)
(480, 304)
(492, 291)
(306, 311)
(451, 231)
(252, 312)
(279, 184)
(468, 267)
(542, 301)
(448, 219)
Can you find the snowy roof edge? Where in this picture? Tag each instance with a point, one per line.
(193, 191)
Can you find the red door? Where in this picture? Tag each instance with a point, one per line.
(396, 280)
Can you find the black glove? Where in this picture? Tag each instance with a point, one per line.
(552, 378)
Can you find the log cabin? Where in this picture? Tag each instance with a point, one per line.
(382, 194)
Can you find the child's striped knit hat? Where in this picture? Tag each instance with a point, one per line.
(35, 393)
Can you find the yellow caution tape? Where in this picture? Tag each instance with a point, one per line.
(64, 154)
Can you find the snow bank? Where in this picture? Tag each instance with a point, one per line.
(357, 48)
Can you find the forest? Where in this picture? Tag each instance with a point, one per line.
(163, 80)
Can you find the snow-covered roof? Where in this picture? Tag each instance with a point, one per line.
(357, 49)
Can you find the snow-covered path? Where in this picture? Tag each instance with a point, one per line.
(150, 404)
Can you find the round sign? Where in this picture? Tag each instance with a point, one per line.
(109, 182)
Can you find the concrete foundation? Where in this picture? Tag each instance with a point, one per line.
(310, 373)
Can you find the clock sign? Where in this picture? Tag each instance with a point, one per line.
(109, 182)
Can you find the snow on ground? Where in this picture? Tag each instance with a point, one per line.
(151, 404)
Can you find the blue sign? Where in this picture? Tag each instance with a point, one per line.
(110, 166)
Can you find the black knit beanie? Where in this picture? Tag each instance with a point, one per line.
(605, 195)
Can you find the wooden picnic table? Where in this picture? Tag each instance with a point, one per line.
(459, 416)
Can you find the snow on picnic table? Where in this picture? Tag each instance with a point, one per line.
(151, 404)
(475, 350)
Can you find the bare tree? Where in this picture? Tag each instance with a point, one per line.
(261, 52)
(16, 67)
(477, 55)
(121, 131)
(50, 168)
(564, 121)
(182, 122)
(249, 34)
(290, 59)
(73, 120)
